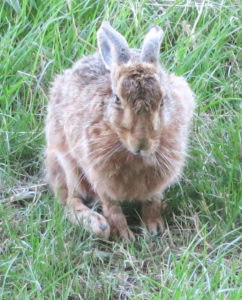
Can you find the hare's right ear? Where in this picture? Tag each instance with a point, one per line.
(112, 46)
(151, 45)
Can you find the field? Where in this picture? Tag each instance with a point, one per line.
(42, 255)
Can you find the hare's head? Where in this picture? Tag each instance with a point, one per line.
(135, 109)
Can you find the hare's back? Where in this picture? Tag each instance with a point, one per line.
(87, 74)
(90, 70)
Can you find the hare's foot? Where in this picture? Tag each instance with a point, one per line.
(117, 221)
(123, 232)
(92, 221)
(151, 216)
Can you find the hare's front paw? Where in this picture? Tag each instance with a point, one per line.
(155, 226)
(117, 221)
(123, 232)
(151, 215)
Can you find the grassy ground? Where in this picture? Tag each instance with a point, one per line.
(42, 256)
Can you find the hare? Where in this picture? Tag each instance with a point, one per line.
(117, 129)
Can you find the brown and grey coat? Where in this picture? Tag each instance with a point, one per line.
(117, 129)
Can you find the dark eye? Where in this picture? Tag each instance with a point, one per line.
(117, 100)
(161, 103)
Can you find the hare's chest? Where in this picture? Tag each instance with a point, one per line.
(129, 182)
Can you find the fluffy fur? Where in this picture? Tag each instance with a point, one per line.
(117, 130)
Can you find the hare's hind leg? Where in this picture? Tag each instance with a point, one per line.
(56, 177)
(92, 221)
(67, 183)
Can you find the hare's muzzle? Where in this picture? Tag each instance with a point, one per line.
(142, 146)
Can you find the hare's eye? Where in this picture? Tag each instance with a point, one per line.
(117, 100)
(161, 106)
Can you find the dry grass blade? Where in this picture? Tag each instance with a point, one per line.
(25, 193)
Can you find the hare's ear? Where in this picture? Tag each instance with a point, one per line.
(151, 45)
(112, 46)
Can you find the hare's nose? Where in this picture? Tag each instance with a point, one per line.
(142, 145)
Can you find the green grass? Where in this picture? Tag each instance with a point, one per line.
(42, 256)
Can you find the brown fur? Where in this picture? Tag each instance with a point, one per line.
(91, 141)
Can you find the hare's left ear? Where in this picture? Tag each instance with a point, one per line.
(151, 45)
(112, 46)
